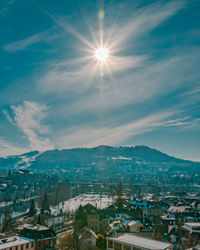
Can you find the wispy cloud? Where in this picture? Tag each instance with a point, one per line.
(28, 118)
(151, 81)
(142, 21)
(25, 43)
(8, 117)
(117, 134)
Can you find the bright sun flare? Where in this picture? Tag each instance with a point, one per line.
(101, 54)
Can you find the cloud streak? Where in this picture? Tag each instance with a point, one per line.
(25, 43)
(117, 134)
(143, 21)
(28, 118)
(8, 117)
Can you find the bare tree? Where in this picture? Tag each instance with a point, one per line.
(66, 242)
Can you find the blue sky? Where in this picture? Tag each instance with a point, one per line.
(55, 94)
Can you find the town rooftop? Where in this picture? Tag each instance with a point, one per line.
(141, 242)
(14, 241)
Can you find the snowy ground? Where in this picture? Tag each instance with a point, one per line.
(25, 161)
(83, 199)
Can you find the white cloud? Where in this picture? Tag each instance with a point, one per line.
(144, 20)
(62, 77)
(8, 116)
(113, 134)
(148, 82)
(28, 118)
(117, 133)
(58, 78)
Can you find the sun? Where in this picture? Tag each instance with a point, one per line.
(101, 54)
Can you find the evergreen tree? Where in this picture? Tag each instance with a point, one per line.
(32, 209)
(80, 221)
(45, 204)
(119, 193)
(9, 175)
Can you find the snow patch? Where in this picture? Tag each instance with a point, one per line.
(73, 204)
(122, 158)
(25, 161)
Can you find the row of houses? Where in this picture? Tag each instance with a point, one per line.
(159, 223)
(172, 221)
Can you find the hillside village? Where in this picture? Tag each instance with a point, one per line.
(46, 212)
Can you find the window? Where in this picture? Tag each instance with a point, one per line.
(117, 246)
(110, 244)
(22, 247)
(26, 245)
(127, 247)
(32, 244)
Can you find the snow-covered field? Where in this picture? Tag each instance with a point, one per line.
(83, 199)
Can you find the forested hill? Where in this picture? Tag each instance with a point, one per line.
(84, 157)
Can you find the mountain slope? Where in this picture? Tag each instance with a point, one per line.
(84, 157)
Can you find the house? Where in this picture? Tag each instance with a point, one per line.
(93, 217)
(183, 214)
(45, 238)
(190, 234)
(125, 225)
(88, 239)
(115, 227)
(178, 209)
(194, 248)
(132, 242)
(32, 237)
(134, 226)
(17, 242)
(192, 227)
(54, 222)
(170, 219)
(190, 219)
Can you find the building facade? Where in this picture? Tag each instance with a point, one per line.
(132, 242)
